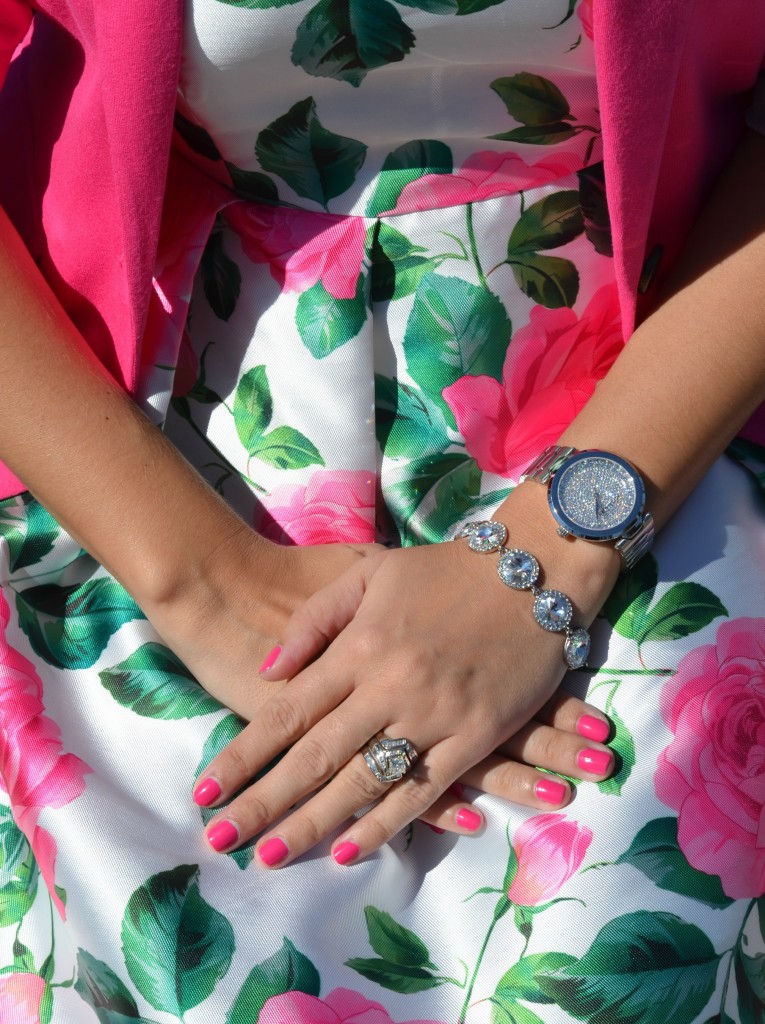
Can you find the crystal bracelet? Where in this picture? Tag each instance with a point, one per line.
(520, 570)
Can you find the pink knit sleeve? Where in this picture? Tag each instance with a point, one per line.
(15, 19)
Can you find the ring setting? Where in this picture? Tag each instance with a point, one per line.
(390, 760)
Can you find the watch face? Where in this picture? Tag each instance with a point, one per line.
(596, 495)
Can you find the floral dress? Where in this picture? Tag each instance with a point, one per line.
(396, 289)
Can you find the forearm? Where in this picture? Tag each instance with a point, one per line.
(85, 450)
(683, 386)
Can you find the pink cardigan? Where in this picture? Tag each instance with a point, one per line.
(86, 115)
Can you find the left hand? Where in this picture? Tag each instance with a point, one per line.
(424, 643)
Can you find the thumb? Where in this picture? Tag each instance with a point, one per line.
(312, 627)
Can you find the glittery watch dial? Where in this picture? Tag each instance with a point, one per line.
(597, 494)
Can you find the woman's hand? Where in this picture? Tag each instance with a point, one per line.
(425, 644)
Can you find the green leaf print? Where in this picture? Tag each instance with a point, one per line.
(629, 601)
(547, 224)
(288, 970)
(623, 745)
(324, 323)
(316, 163)
(404, 165)
(253, 406)
(344, 39)
(220, 737)
(642, 968)
(19, 871)
(592, 197)
(196, 137)
(532, 99)
(286, 448)
(70, 626)
(154, 683)
(520, 982)
(393, 942)
(29, 531)
(46, 1005)
(406, 490)
(176, 946)
(474, 6)
(684, 609)
(749, 985)
(537, 135)
(455, 328)
(397, 977)
(505, 1010)
(397, 266)
(456, 495)
(252, 185)
(656, 853)
(549, 280)
(432, 6)
(100, 987)
(221, 277)
(407, 423)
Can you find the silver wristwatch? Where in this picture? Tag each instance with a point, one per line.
(597, 496)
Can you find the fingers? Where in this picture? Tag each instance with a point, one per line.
(319, 620)
(568, 713)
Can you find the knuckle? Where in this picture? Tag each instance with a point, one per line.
(367, 786)
(416, 794)
(234, 763)
(252, 811)
(366, 642)
(281, 718)
(316, 765)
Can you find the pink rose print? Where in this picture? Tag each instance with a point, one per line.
(35, 772)
(584, 13)
(20, 998)
(302, 248)
(483, 175)
(551, 369)
(713, 772)
(336, 506)
(342, 1006)
(550, 849)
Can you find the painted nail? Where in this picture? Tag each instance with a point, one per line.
(222, 835)
(273, 851)
(270, 659)
(435, 828)
(468, 819)
(206, 792)
(593, 728)
(596, 762)
(345, 852)
(551, 791)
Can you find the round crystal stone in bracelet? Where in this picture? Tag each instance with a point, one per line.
(518, 569)
(485, 536)
(552, 610)
(576, 648)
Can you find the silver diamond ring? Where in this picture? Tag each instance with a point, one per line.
(390, 760)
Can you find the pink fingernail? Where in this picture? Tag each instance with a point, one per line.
(435, 828)
(593, 728)
(468, 819)
(206, 792)
(596, 762)
(270, 659)
(222, 835)
(273, 851)
(550, 791)
(345, 852)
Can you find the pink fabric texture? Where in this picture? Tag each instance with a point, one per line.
(337, 506)
(100, 230)
(20, 998)
(713, 773)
